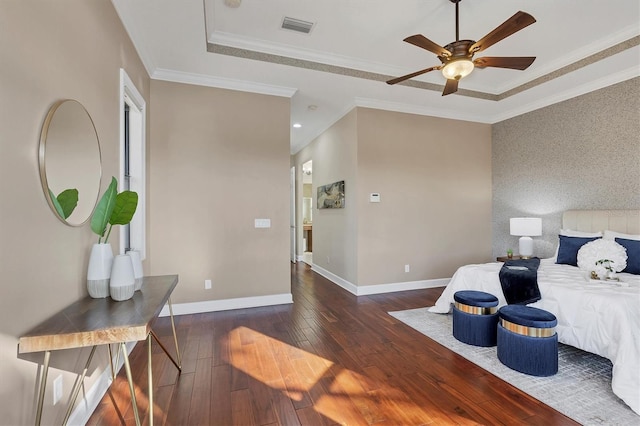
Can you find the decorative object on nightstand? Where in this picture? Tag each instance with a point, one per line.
(525, 228)
(507, 257)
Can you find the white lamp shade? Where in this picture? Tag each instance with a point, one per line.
(525, 226)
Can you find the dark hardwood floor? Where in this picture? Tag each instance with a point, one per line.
(330, 358)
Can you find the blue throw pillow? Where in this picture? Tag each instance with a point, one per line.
(568, 250)
(633, 255)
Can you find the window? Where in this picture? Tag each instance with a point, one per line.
(132, 161)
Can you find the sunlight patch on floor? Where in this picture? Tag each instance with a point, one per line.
(337, 393)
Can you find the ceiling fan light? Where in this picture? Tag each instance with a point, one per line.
(457, 69)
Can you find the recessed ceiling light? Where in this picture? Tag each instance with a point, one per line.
(297, 125)
(232, 3)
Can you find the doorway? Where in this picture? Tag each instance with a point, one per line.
(307, 212)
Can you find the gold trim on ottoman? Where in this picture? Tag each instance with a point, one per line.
(476, 310)
(527, 331)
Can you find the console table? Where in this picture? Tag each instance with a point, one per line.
(93, 322)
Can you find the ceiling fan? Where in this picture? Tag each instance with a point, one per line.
(457, 57)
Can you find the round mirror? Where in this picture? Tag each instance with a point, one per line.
(70, 164)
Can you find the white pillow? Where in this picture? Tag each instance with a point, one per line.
(612, 235)
(572, 233)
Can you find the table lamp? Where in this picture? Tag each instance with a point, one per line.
(525, 228)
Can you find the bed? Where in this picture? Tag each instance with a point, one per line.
(595, 316)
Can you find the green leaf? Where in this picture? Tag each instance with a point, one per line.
(125, 208)
(56, 204)
(68, 200)
(104, 209)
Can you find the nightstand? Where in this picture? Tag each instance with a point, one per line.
(505, 258)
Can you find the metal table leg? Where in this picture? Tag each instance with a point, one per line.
(77, 386)
(123, 348)
(43, 386)
(150, 379)
(175, 337)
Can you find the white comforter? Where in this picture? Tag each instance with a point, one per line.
(601, 318)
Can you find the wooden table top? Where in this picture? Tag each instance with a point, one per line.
(90, 322)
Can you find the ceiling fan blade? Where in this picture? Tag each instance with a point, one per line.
(512, 25)
(514, 62)
(423, 42)
(413, 74)
(450, 87)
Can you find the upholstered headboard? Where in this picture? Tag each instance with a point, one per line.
(626, 221)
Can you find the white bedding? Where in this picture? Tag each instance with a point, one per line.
(601, 318)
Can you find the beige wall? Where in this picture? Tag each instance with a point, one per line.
(334, 230)
(583, 153)
(434, 178)
(51, 50)
(218, 160)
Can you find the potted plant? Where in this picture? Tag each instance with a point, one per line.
(113, 209)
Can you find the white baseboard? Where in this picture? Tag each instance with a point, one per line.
(227, 304)
(351, 288)
(380, 288)
(87, 405)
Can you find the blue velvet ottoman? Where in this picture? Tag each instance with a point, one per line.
(527, 340)
(475, 317)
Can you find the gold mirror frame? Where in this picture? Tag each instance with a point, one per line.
(70, 158)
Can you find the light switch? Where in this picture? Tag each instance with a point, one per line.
(263, 223)
(374, 197)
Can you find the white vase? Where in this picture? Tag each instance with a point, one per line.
(137, 267)
(122, 283)
(99, 270)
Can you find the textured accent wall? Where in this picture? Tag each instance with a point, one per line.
(583, 153)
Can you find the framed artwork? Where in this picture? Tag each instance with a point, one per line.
(331, 196)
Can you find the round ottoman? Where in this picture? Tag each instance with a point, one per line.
(527, 340)
(475, 317)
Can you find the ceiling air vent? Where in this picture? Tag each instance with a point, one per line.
(297, 25)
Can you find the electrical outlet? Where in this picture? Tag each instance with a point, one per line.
(407, 268)
(207, 284)
(328, 259)
(57, 389)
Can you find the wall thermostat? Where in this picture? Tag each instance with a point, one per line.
(374, 197)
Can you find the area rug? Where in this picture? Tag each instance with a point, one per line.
(581, 390)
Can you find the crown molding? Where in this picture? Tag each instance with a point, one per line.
(583, 89)
(419, 110)
(130, 26)
(320, 130)
(615, 43)
(222, 83)
(255, 45)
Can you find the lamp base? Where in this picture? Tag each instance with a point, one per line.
(525, 246)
